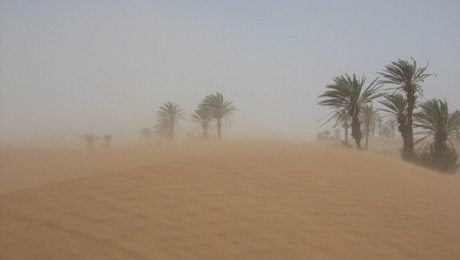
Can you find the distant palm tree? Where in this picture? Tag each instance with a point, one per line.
(390, 127)
(203, 117)
(348, 93)
(107, 140)
(147, 134)
(162, 128)
(90, 140)
(396, 106)
(380, 121)
(408, 78)
(219, 110)
(168, 117)
(369, 116)
(343, 119)
(437, 124)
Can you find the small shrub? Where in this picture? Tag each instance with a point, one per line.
(445, 160)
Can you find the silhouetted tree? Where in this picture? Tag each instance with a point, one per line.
(389, 128)
(147, 134)
(368, 118)
(169, 116)
(90, 140)
(219, 110)
(107, 140)
(203, 117)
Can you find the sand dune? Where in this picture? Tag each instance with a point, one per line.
(248, 200)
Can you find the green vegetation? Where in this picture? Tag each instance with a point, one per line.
(407, 78)
(349, 101)
(437, 127)
(348, 93)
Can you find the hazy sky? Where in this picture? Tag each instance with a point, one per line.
(69, 67)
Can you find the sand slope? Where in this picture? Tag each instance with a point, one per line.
(248, 200)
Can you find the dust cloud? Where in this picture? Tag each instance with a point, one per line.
(92, 167)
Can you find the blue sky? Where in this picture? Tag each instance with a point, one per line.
(68, 67)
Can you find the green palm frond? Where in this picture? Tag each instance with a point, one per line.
(170, 111)
(169, 115)
(435, 121)
(217, 107)
(395, 105)
(406, 75)
(347, 93)
(201, 116)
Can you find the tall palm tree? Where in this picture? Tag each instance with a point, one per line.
(168, 117)
(348, 93)
(437, 124)
(369, 116)
(408, 78)
(203, 117)
(396, 106)
(219, 110)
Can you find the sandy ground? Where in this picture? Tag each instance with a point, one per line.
(242, 200)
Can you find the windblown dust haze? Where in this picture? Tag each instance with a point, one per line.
(75, 71)
(68, 68)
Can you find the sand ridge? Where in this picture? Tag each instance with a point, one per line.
(248, 200)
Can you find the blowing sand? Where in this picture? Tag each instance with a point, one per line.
(248, 200)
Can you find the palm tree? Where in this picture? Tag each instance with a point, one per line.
(162, 128)
(203, 117)
(408, 78)
(390, 126)
(396, 106)
(219, 110)
(90, 140)
(168, 117)
(437, 123)
(369, 116)
(343, 119)
(107, 140)
(347, 94)
(147, 134)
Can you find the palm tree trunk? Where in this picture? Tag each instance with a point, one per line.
(356, 130)
(346, 133)
(408, 136)
(205, 133)
(219, 129)
(440, 145)
(367, 135)
(172, 134)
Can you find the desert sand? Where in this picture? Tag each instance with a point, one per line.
(236, 200)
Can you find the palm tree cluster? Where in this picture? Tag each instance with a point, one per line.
(212, 113)
(91, 139)
(350, 101)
